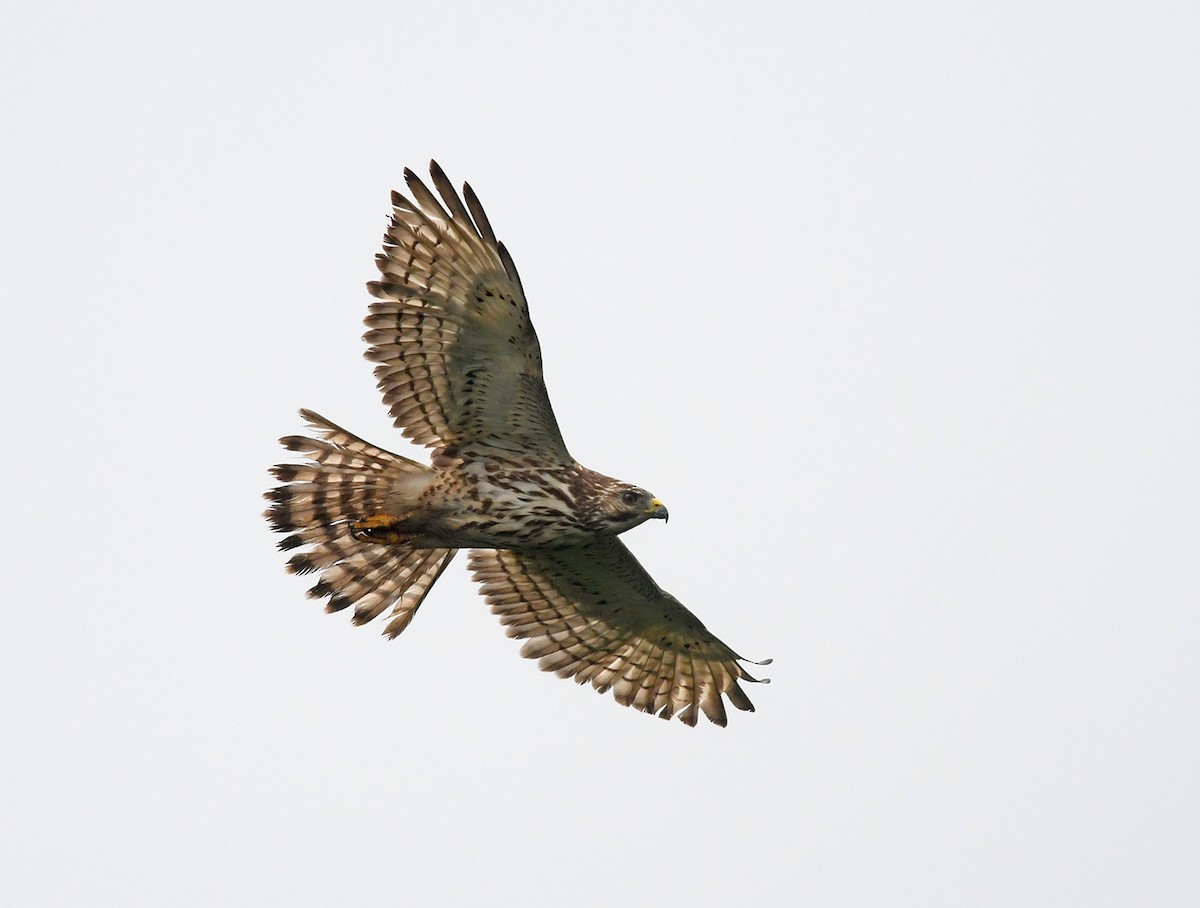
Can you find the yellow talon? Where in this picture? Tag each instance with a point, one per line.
(379, 528)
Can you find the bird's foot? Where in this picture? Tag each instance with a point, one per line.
(380, 528)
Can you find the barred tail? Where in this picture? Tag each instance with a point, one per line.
(345, 481)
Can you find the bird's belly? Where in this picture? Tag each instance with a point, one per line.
(515, 531)
(505, 509)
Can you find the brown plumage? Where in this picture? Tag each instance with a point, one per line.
(460, 370)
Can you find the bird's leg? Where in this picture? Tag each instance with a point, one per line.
(388, 529)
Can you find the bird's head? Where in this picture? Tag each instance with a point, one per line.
(618, 506)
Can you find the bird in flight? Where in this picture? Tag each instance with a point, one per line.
(460, 370)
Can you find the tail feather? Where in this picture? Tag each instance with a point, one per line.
(346, 480)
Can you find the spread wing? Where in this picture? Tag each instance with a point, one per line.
(591, 612)
(459, 361)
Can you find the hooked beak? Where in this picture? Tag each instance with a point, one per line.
(657, 509)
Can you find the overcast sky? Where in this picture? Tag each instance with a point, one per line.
(896, 306)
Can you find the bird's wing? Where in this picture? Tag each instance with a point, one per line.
(591, 612)
(458, 359)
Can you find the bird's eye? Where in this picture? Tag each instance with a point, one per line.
(630, 497)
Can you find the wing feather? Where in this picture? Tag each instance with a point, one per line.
(458, 360)
(592, 613)
(479, 216)
(446, 190)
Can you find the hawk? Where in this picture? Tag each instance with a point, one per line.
(460, 370)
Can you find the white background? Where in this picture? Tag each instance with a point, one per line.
(895, 305)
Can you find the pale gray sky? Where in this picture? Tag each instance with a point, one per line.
(896, 307)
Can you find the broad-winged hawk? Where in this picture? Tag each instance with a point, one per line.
(461, 372)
